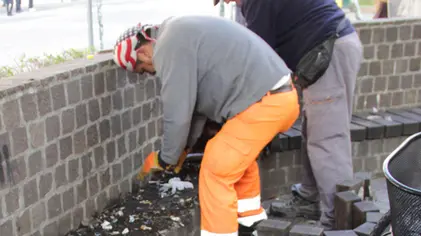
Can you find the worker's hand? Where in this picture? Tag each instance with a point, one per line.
(153, 163)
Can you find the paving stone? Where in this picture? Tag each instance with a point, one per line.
(343, 209)
(365, 177)
(306, 230)
(364, 229)
(340, 233)
(359, 211)
(374, 130)
(294, 138)
(373, 217)
(358, 132)
(272, 227)
(350, 185)
(391, 128)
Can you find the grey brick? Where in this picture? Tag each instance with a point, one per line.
(94, 110)
(419, 49)
(44, 102)
(401, 66)
(52, 127)
(68, 121)
(77, 216)
(82, 190)
(158, 86)
(101, 201)
(73, 169)
(407, 81)
(51, 154)
(416, 31)
(79, 142)
(60, 175)
(87, 87)
(113, 193)
(365, 36)
(371, 164)
(116, 128)
(415, 64)
(23, 223)
(81, 115)
(160, 127)
(93, 185)
(111, 80)
(11, 114)
(151, 130)
(38, 215)
(89, 208)
(157, 144)
(65, 223)
(410, 49)
(405, 32)
(156, 107)
(380, 84)
(133, 77)
(99, 79)
(388, 67)
(37, 134)
(366, 85)
(45, 184)
(104, 130)
(73, 91)
(30, 192)
(121, 78)
(92, 135)
(54, 206)
(126, 120)
(392, 34)
(410, 96)
(58, 96)
(19, 140)
(140, 92)
(116, 173)
(117, 101)
(111, 151)
(132, 140)
(379, 34)
(359, 211)
(18, 165)
(35, 163)
(127, 165)
(365, 229)
(307, 230)
(128, 97)
(50, 229)
(105, 178)
(6, 228)
(137, 115)
(375, 68)
(393, 83)
(417, 80)
(146, 111)
(66, 147)
(121, 146)
(397, 50)
(12, 201)
(86, 163)
(125, 186)
(29, 107)
(106, 105)
(68, 199)
(383, 51)
(99, 156)
(142, 135)
(368, 52)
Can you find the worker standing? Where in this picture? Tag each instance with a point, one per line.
(319, 44)
(213, 68)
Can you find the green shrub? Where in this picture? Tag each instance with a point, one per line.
(26, 64)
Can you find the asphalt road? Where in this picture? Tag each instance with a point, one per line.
(57, 26)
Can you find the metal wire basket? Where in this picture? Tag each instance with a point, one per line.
(402, 169)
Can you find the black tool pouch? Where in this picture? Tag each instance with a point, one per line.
(314, 64)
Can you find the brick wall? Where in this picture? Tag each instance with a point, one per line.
(390, 75)
(71, 138)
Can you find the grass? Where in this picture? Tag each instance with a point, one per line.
(26, 64)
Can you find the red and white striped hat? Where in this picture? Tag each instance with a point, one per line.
(127, 44)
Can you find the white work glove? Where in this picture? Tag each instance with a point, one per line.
(175, 184)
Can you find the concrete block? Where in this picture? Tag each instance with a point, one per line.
(373, 217)
(340, 233)
(306, 230)
(343, 209)
(360, 210)
(365, 177)
(273, 227)
(350, 185)
(365, 229)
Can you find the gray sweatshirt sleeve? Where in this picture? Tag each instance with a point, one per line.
(176, 66)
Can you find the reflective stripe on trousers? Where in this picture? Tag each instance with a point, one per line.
(229, 182)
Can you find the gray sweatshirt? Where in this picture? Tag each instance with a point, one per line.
(210, 67)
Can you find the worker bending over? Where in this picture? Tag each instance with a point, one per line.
(213, 68)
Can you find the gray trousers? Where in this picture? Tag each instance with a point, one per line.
(326, 146)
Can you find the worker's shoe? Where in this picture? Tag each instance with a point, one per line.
(247, 231)
(296, 206)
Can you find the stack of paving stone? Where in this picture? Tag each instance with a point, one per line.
(356, 214)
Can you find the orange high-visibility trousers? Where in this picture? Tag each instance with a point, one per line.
(229, 181)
